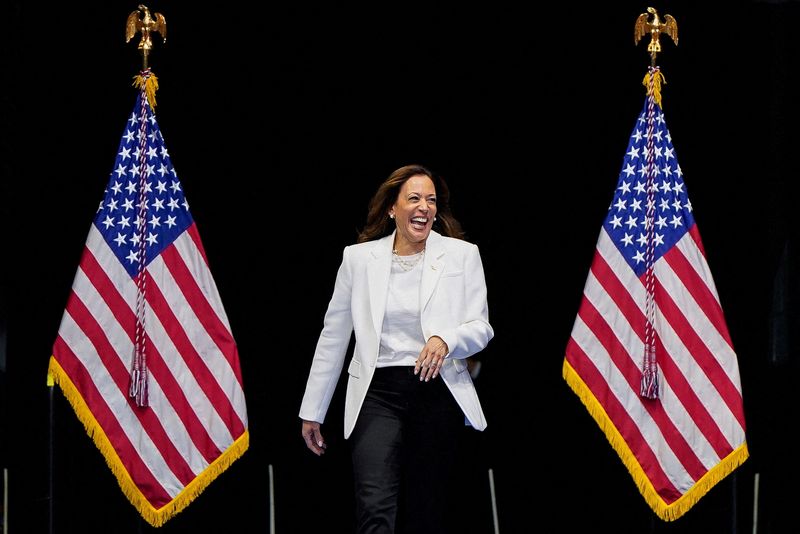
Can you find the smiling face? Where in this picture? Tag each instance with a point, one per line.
(413, 213)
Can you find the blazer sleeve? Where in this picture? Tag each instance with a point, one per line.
(331, 349)
(473, 332)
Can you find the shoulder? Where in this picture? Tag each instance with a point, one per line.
(451, 244)
(367, 249)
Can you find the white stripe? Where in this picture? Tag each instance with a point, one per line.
(209, 354)
(123, 347)
(629, 400)
(187, 249)
(85, 352)
(221, 369)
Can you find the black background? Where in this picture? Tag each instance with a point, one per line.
(282, 120)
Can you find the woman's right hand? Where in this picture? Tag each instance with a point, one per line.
(313, 437)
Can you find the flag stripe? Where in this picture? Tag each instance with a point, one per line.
(655, 426)
(85, 331)
(635, 444)
(175, 402)
(210, 399)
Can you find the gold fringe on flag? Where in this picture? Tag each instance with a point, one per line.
(656, 88)
(667, 512)
(154, 516)
(150, 83)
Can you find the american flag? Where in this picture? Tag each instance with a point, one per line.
(650, 305)
(144, 304)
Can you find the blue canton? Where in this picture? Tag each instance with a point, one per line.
(626, 222)
(166, 212)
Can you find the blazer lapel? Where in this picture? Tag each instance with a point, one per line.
(378, 268)
(432, 268)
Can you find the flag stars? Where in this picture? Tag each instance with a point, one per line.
(631, 222)
(128, 204)
(164, 153)
(621, 204)
(158, 204)
(124, 222)
(152, 239)
(120, 240)
(175, 186)
(170, 222)
(173, 204)
(664, 204)
(639, 257)
(637, 135)
(162, 169)
(641, 188)
(121, 170)
(108, 222)
(154, 221)
(615, 221)
(152, 152)
(161, 187)
(112, 205)
(633, 152)
(131, 187)
(625, 187)
(629, 170)
(676, 204)
(676, 221)
(661, 222)
(627, 239)
(665, 187)
(117, 187)
(636, 205)
(132, 256)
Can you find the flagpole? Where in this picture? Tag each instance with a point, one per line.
(51, 459)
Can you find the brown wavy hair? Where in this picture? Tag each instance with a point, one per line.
(378, 222)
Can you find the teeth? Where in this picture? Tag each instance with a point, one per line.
(419, 220)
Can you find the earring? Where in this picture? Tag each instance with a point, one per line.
(434, 219)
(391, 215)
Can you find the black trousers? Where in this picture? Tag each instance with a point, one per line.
(404, 449)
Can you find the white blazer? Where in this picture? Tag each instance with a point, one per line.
(454, 307)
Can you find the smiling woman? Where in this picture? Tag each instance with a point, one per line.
(416, 301)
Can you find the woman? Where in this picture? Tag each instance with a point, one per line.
(416, 300)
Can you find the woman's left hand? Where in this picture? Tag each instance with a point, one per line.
(431, 358)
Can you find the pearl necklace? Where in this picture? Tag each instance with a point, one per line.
(407, 262)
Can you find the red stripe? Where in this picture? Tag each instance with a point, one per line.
(699, 290)
(155, 362)
(622, 421)
(619, 294)
(205, 313)
(194, 362)
(155, 494)
(148, 421)
(195, 235)
(633, 376)
(702, 356)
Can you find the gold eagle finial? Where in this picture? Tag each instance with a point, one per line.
(654, 27)
(141, 20)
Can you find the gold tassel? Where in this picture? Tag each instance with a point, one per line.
(150, 87)
(656, 89)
